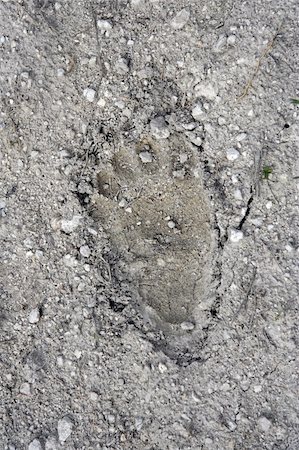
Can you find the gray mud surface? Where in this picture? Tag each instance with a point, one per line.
(149, 225)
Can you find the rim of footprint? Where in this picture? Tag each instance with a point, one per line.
(153, 207)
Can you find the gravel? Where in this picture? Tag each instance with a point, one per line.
(177, 108)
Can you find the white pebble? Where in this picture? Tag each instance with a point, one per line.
(206, 90)
(159, 128)
(196, 140)
(187, 326)
(189, 126)
(138, 423)
(238, 194)
(232, 154)
(70, 261)
(231, 39)
(92, 61)
(25, 389)
(104, 25)
(64, 428)
(35, 445)
(197, 112)
(221, 120)
(181, 19)
(121, 66)
(89, 94)
(78, 353)
(264, 424)
(68, 226)
(183, 158)
(162, 368)
(171, 224)
(241, 136)
(93, 396)
(60, 72)
(51, 443)
(111, 418)
(34, 316)
(146, 157)
(101, 103)
(236, 235)
(123, 203)
(220, 43)
(85, 251)
(269, 205)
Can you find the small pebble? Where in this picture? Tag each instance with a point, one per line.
(101, 103)
(146, 157)
(221, 120)
(238, 194)
(183, 158)
(257, 388)
(104, 26)
(85, 251)
(138, 423)
(162, 368)
(206, 90)
(123, 203)
(181, 19)
(264, 424)
(78, 353)
(92, 61)
(35, 445)
(236, 235)
(241, 137)
(171, 224)
(93, 396)
(187, 326)
(34, 316)
(89, 94)
(197, 112)
(25, 389)
(111, 418)
(70, 261)
(64, 428)
(196, 140)
(68, 226)
(232, 154)
(60, 72)
(220, 44)
(51, 443)
(121, 66)
(189, 126)
(269, 205)
(231, 39)
(159, 128)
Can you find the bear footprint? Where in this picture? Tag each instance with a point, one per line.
(153, 207)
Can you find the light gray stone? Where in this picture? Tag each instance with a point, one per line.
(64, 428)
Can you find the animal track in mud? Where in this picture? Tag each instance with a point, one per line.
(153, 207)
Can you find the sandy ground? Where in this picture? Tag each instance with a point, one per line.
(149, 225)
